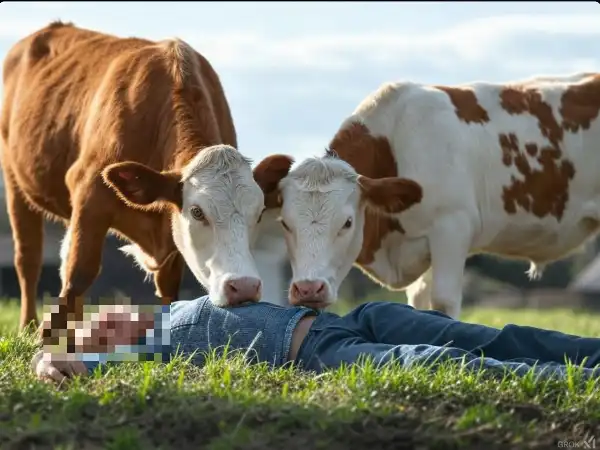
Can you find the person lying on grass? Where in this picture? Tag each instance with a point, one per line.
(317, 341)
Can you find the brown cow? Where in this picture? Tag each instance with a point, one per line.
(135, 137)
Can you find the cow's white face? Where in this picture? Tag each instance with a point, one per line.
(216, 204)
(323, 213)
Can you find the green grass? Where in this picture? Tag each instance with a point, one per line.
(228, 405)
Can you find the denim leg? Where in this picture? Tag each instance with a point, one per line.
(336, 350)
(399, 324)
(514, 342)
(396, 324)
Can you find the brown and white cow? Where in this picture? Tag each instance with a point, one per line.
(135, 137)
(508, 169)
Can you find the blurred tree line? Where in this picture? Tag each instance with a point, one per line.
(557, 275)
(120, 274)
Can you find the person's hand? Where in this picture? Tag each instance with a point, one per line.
(56, 369)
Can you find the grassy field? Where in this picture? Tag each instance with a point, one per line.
(227, 405)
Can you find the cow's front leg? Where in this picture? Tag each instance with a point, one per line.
(449, 240)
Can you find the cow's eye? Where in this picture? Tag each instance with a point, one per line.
(197, 213)
(347, 224)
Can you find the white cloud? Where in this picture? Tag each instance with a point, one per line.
(13, 28)
(301, 146)
(546, 66)
(48, 5)
(471, 41)
(18, 24)
(475, 41)
(306, 89)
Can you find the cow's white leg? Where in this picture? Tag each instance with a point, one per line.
(270, 253)
(449, 242)
(418, 293)
(274, 284)
(65, 245)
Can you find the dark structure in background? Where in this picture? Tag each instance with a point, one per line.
(579, 274)
(572, 282)
(119, 273)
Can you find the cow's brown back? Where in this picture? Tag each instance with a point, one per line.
(94, 99)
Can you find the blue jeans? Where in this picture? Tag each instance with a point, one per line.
(391, 331)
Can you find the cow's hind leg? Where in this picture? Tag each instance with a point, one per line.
(28, 236)
(81, 254)
(418, 293)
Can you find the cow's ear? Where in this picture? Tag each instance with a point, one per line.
(268, 173)
(142, 187)
(390, 195)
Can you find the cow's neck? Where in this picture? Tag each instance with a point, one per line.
(195, 127)
(150, 231)
(372, 157)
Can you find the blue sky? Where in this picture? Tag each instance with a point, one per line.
(292, 70)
